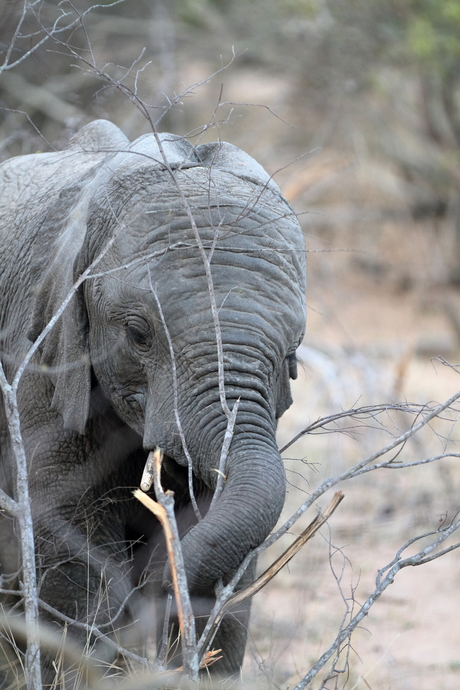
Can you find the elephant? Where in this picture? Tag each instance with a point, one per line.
(191, 297)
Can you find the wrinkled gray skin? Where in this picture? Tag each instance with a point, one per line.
(101, 392)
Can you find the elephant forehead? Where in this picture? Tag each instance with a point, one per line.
(149, 208)
(259, 240)
(257, 300)
(245, 317)
(257, 272)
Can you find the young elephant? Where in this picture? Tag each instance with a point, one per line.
(132, 364)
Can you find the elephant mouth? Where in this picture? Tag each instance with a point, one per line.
(173, 476)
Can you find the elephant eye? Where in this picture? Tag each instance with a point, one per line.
(292, 365)
(139, 333)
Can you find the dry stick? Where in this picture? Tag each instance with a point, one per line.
(161, 656)
(392, 465)
(13, 38)
(370, 411)
(349, 608)
(382, 582)
(164, 511)
(23, 513)
(227, 600)
(6, 502)
(146, 483)
(221, 476)
(212, 297)
(142, 259)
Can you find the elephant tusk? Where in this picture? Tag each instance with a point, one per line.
(148, 473)
(214, 469)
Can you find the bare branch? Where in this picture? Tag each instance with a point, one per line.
(354, 471)
(226, 599)
(360, 413)
(161, 656)
(7, 503)
(53, 32)
(23, 512)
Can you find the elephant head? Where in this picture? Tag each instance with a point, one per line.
(148, 219)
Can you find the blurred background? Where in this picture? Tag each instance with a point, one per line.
(354, 107)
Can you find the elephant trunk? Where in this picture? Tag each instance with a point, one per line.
(241, 519)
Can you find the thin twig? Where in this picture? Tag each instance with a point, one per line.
(365, 412)
(49, 33)
(221, 471)
(172, 355)
(161, 656)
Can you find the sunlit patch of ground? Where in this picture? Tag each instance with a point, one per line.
(365, 348)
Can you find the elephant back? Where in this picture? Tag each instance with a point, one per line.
(31, 184)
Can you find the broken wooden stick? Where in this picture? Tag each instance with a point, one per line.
(163, 509)
(148, 473)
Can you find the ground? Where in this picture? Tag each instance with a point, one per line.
(367, 343)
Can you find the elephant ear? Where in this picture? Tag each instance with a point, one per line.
(64, 353)
(57, 261)
(227, 157)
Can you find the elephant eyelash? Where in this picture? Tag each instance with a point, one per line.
(292, 365)
(293, 360)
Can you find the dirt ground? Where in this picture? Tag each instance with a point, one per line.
(367, 343)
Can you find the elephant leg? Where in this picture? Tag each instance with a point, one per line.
(232, 634)
(230, 638)
(87, 580)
